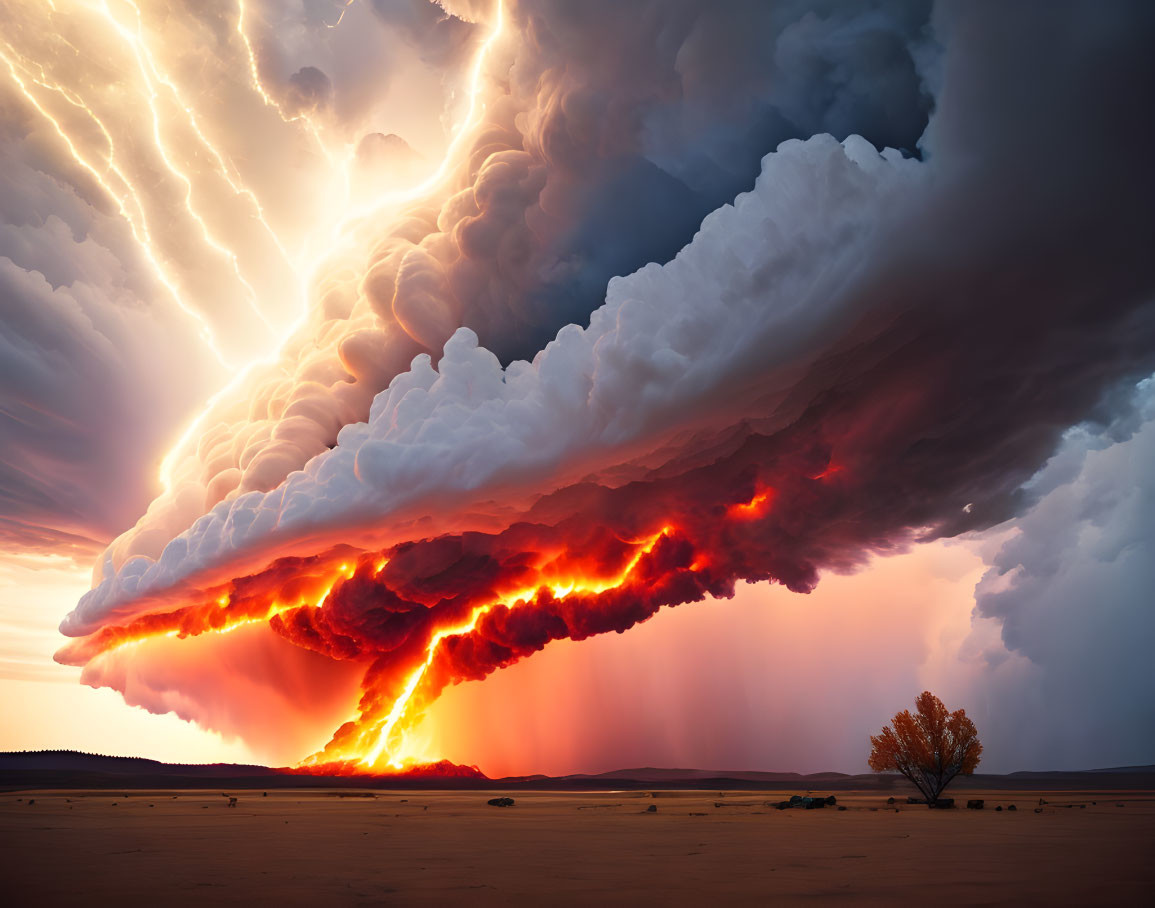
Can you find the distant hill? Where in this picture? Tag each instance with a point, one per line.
(70, 769)
(75, 761)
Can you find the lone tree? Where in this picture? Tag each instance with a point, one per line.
(930, 747)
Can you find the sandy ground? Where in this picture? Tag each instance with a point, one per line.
(346, 848)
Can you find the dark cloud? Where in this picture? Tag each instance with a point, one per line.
(1070, 590)
(309, 90)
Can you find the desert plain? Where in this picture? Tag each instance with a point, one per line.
(348, 847)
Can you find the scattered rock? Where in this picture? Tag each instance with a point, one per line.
(976, 804)
(653, 808)
(890, 800)
(831, 800)
(232, 802)
(1038, 810)
(500, 802)
(264, 794)
(999, 809)
(841, 807)
(798, 801)
(33, 801)
(1012, 807)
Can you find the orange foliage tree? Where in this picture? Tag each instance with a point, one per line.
(930, 747)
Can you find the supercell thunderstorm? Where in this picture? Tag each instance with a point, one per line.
(657, 325)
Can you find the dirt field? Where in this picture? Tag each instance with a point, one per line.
(357, 848)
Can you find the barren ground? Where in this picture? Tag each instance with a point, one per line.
(360, 848)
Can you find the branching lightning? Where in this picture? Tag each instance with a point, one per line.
(137, 223)
(384, 749)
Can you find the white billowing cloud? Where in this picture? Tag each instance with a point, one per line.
(755, 294)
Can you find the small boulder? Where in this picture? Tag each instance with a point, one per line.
(890, 800)
(999, 809)
(976, 804)
(500, 802)
(653, 808)
(1012, 807)
(841, 807)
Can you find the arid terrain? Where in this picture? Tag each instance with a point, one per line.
(349, 847)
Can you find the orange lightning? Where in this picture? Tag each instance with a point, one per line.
(754, 507)
(401, 704)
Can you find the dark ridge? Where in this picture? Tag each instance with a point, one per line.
(48, 769)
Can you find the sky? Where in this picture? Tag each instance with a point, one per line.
(559, 388)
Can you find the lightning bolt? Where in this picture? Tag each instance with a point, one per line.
(402, 705)
(137, 224)
(159, 87)
(147, 72)
(453, 150)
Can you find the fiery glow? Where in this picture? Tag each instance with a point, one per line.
(755, 506)
(384, 748)
(379, 740)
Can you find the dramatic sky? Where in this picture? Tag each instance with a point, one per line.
(556, 386)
